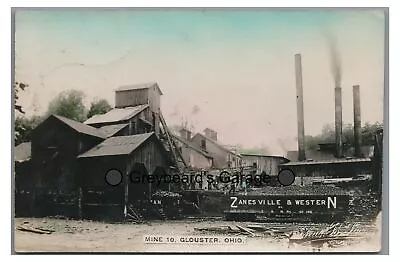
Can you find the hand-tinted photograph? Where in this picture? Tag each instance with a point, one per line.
(198, 130)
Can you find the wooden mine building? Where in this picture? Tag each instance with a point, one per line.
(69, 160)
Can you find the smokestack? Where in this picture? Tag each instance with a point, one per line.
(338, 121)
(213, 135)
(300, 108)
(357, 121)
(337, 76)
(185, 134)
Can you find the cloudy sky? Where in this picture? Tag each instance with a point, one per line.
(232, 71)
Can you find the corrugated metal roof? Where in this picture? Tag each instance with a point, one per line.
(116, 115)
(81, 127)
(22, 152)
(139, 86)
(111, 130)
(335, 161)
(119, 145)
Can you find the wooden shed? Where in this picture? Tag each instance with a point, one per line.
(134, 158)
(55, 144)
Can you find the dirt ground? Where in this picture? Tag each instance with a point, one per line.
(93, 236)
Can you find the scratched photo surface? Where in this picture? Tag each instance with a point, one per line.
(198, 130)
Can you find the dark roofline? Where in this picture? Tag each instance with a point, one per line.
(94, 132)
(121, 126)
(187, 143)
(87, 153)
(263, 155)
(328, 162)
(138, 87)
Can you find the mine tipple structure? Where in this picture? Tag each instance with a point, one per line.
(137, 110)
(64, 172)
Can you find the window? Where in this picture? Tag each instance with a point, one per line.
(132, 129)
(149, 159)
(203, 143)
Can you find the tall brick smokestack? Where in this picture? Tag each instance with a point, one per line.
(300, 108)
(337, 76)
(357, 121)
(338, 122)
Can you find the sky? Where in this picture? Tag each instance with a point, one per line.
(232, 71)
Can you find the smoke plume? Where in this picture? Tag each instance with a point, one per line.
(335, 60)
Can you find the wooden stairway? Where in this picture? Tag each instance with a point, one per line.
(170, 145)
(134, 214)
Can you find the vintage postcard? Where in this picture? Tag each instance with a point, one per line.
(198, 130)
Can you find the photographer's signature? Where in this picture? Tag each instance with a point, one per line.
(336, 231)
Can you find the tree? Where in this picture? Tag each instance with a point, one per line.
(69, 104)
(98, 107)
(327, 135)
(18, 126)
(18, 86)
(368, 132)
(24, 127)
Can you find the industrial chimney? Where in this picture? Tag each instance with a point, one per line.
(300, 108)
(338, 121)
(357, 121)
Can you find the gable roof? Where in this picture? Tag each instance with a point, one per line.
(22, 152)
(217, 144)
(80, 127)
(139, 86)
(192, 146)
(119, 145)
(117, 115)
(111, 130)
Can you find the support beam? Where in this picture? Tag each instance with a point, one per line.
(171, 143)
(126, 192)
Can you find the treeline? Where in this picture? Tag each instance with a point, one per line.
(68, 104)
(327, 135)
